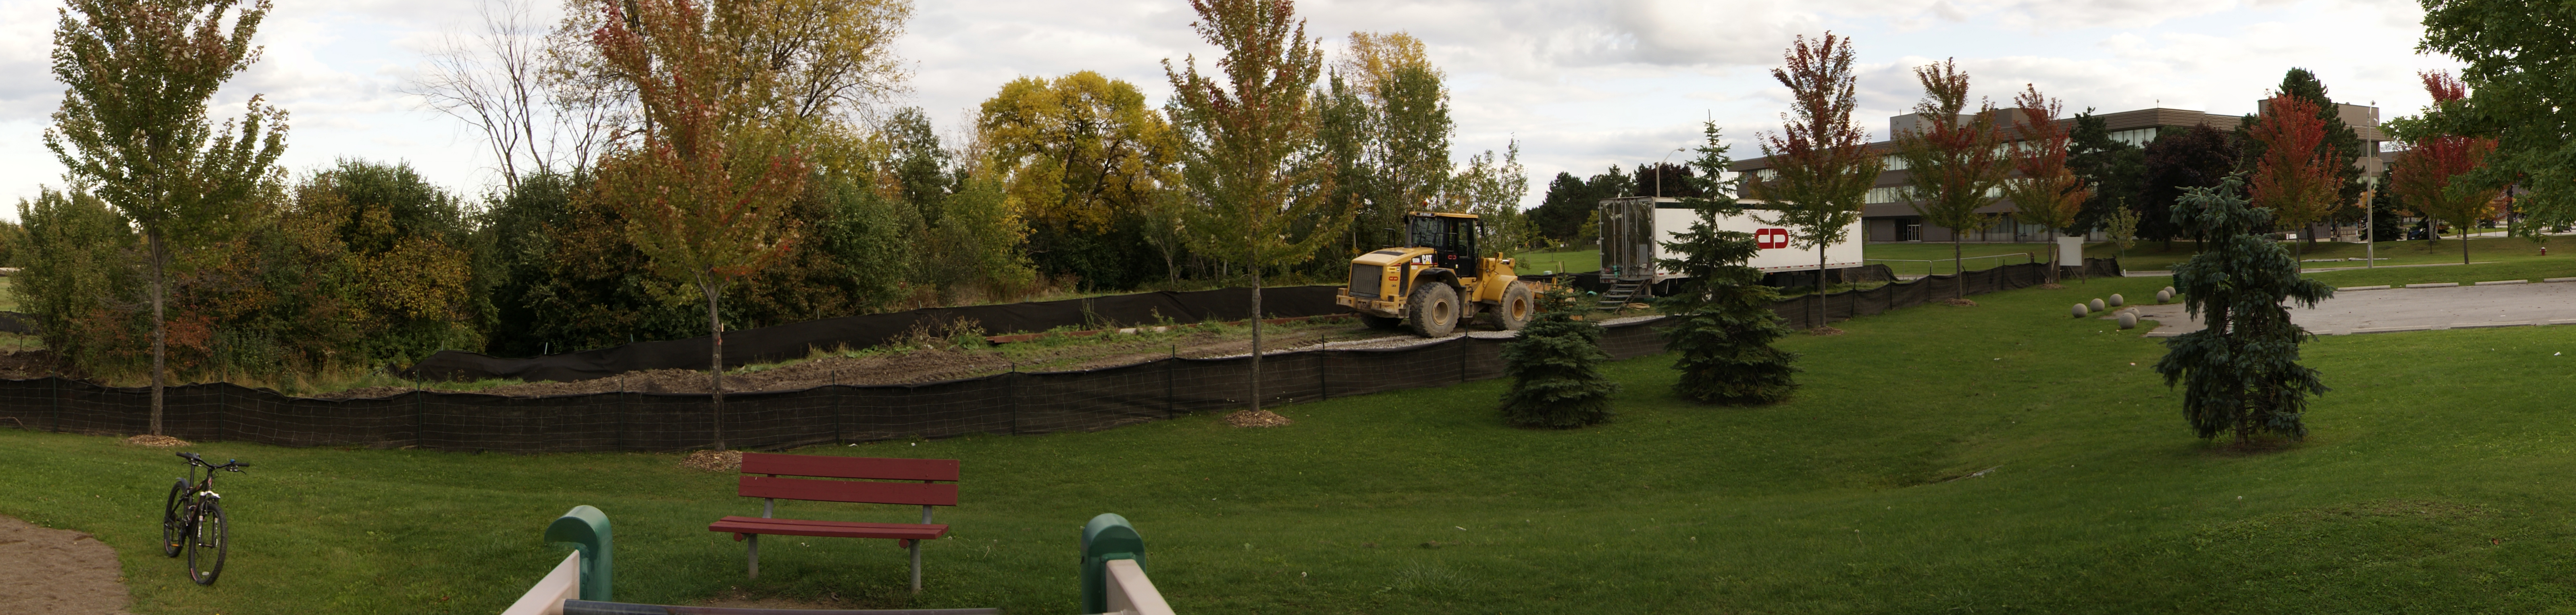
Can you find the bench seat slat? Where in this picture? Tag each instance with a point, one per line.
(862, 492)
(833, 529)
(873, 468)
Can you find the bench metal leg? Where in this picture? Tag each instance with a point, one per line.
(916, 566)
(755, 556)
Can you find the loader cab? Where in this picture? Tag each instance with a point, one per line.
(1452, 237)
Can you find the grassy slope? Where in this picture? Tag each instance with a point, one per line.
(1565, 261)
(2412, 495)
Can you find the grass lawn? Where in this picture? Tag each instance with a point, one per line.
(1581, 260)
(2437, 479)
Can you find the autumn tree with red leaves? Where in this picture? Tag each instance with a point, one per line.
(1955, 163)
(2429, 177)
(1821, 164)
(2291, 178)
(706, 192)
(2047, 193)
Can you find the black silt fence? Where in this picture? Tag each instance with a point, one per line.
(1804, 312)
(1009, 403)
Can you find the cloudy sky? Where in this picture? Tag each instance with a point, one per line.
(1582, 84)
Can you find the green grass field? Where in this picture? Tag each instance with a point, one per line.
(1564, 261)
(2438, 479)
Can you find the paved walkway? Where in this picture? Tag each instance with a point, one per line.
(2382, 310)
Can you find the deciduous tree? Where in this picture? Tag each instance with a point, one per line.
(1821, 163)
(133, 125)
(2046, 193)
(2292, 178)
(2179, 159)
(1082, 158)
(2240, 374)
(705, 192)
(2438, 177)
(1248, 149)
(2518, 61)
(1955, 165)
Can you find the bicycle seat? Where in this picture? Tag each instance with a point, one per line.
(191, 457)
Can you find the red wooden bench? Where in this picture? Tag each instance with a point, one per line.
(936, 486)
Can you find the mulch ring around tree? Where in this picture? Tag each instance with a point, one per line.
(1822, 330)
(1257, 418)
(714, 461)
(156, 441)
(1958, 303)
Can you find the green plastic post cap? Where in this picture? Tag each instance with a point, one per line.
(587, 529)
(1106, 537)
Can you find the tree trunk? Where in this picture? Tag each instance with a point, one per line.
(715, 358)
(160, 330)
(1256, 339)
(1958, 264)
(1821, 314)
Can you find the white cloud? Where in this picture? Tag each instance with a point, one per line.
(1583, 84)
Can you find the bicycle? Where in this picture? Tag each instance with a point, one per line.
(193, 519)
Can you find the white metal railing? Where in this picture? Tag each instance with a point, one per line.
(547, 598)
(1130, 593)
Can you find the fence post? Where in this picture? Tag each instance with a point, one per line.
(1171, 406)
(1011, 395)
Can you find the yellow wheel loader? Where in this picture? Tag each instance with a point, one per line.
(1437, 280)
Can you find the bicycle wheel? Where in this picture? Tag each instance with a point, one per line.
(174, 519)
(206, 550)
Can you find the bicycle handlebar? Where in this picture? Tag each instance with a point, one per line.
(229, 464)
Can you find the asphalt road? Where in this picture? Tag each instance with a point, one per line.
(2410, 309)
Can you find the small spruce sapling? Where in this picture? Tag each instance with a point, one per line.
(1555, 366)
(2242, 373)
(1720, 317)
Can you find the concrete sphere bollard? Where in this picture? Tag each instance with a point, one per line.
(2164, 296)
(2128, 320)
(2097, 305)
(2080, 311)
(2170, 291)
(2116, 300)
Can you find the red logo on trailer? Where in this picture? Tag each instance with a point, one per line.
(1771, 238)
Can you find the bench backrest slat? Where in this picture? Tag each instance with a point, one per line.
(874, 468)
(863, 492)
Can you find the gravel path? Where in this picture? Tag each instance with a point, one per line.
(57, 572)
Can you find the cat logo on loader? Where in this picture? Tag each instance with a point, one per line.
(1437, 280)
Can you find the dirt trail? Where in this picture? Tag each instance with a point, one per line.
(935, 364)
(57, 572)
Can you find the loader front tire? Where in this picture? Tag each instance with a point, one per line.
(1433, 310)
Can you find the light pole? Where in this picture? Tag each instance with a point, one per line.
(2369, 228)
(1659, 171)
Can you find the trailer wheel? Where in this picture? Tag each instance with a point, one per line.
(1433, 310)
(1515, 310)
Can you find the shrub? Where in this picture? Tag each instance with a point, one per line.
(2241, 373)
(1721, 320)
(1555, 366)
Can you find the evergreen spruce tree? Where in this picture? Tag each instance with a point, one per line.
(2240, 374)
(1555, 366)
(1721, 314)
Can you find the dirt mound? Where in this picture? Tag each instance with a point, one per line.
(364, 393)
(156, 441)
(28, 364)
(57, 571)
(909, 368)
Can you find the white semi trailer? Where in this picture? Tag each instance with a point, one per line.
(1633, 230)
